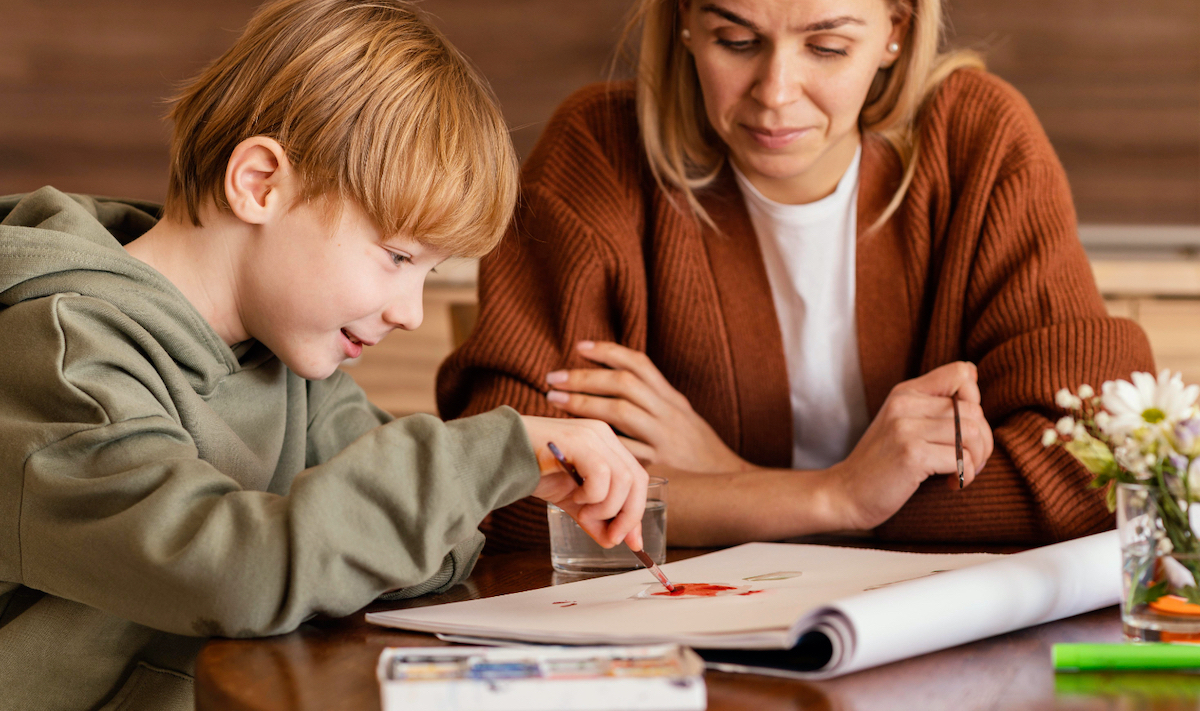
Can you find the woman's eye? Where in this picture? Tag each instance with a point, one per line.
(827, 51)
(398, 258)
(737, 45)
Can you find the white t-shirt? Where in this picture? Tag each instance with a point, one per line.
(809, 255)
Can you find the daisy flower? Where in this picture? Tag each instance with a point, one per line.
(1147, 402)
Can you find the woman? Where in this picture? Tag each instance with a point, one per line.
(791, 242)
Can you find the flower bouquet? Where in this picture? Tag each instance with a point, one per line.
(1141, 440)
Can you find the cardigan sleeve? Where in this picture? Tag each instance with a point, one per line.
(1034, 322)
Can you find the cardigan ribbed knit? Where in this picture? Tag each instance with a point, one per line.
(982, 262)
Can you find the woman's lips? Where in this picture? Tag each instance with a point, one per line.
(774, 138)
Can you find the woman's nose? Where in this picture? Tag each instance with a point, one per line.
(780, 79)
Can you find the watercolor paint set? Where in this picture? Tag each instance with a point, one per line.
(666, 677)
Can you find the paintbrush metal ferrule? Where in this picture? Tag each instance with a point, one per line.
(647, 561)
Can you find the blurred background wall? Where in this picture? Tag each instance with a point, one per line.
(1116, 83)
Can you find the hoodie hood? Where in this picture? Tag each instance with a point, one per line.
(55, 243)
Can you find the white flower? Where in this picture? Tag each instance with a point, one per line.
(1049, 437)
(1086, 392)
(1147, 402)
(1065, 426)
(1179, 575)
(1102, 420)
(1165, 547)
(1066, 400)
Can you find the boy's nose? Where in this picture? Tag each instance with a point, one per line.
(406, 312)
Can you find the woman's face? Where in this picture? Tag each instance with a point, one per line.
(784, 82)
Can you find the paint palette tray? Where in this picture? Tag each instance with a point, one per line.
(643, 678)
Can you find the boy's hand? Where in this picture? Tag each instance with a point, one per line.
(609, 505)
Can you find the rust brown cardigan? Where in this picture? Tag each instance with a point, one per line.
(982, 262)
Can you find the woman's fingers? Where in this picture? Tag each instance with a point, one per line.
(617, 412)
(910, 405)
(616, 356)
(959, 378)
(644, 453)
(610, 383)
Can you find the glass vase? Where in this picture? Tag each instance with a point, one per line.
(1160, 600)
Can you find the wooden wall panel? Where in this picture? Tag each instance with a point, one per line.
(1117, 84)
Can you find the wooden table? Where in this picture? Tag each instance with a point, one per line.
(329, 665)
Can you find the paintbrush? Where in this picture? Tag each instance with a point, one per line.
(642, 556)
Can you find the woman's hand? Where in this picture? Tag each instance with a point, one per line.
(911, 439)
(633, 396)
(609, 504)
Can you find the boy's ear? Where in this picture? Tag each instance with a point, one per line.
(257, 179)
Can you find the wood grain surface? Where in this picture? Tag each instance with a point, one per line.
(1116, 83)
(328, 665)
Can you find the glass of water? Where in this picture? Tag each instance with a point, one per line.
(573, 551)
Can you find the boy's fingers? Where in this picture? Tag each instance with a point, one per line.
(634, 539)
(616, 498)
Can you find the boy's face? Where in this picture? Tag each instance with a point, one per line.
(316, 293)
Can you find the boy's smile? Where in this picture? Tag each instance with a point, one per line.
(317, 291)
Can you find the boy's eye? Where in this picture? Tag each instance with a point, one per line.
(398, 258)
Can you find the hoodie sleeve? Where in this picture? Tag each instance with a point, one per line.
(106, 501)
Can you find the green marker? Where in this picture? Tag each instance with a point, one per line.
(1103, 657)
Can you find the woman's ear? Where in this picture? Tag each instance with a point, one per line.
(685, 35)
(898, 37)
(256, 180)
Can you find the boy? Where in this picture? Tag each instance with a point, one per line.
(179, 456)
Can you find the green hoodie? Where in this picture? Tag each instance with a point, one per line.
(158, 487)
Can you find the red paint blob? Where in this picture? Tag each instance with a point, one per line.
(695, 590)
(751, 592)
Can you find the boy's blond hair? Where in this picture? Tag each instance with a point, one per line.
(371, 103)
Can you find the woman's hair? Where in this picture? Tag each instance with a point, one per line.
(685, 152)
(371, 103)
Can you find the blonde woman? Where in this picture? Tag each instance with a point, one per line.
(773, 260)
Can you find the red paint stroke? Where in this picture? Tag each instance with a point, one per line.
(695, 590)
(751, 592)
(565, 603)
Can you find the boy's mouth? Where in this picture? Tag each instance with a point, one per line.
(350, 337)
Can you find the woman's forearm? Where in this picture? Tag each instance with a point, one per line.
(759, 505)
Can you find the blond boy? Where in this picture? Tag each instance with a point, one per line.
(179, 455)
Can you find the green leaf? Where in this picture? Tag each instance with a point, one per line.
(1191, 593)
(1145, 596)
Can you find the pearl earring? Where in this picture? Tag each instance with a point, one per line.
(686, 34)
(893, 47)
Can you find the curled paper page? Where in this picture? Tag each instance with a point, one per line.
(816, 611)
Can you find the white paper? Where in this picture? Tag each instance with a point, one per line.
(875, 606)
